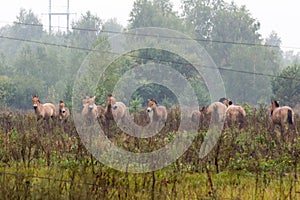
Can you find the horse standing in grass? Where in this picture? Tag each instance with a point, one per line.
(282, 116)
(115, 109)
(90, 110)
(118, 109)
(216, 111)
(158, 114)
(63, 112)
(43, 111)
(235, 115)
(225, 101)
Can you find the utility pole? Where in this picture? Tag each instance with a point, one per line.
(67, 13)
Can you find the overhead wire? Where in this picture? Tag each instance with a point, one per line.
(149, 58)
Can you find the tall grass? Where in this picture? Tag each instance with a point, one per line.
(41, 162)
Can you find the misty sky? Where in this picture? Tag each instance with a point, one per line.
(280, 16)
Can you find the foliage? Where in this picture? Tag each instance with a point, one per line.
(7, 91)
(225, 30)
(245, 164)
(156, 13)
(55, 60)
(286, 86)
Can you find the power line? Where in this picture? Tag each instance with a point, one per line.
(147, 58)
(169, 37)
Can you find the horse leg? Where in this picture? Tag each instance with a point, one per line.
(284, 132)
(273, 133)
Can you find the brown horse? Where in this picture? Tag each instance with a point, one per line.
(114, 110)
(84, 101)
(282, 116)
(90, 110)
(225, 101)
(63, 111)
(216, 111)
(43, 111)
(100, 109)
(196, 116)
(235, 115)
(157, 113)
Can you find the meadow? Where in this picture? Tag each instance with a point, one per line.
(38, 162)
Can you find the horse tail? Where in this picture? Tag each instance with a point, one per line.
(290, 117)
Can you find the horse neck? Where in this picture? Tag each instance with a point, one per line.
(155, 110)
(275, 108)
(60, 109)
(40, 108)
(108, 108)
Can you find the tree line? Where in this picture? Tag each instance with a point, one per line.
(253, 68)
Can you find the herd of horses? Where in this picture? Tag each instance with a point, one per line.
(223, 111)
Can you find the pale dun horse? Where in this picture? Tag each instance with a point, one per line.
(43, 111)
(63, 112)
(282, 116)
(90, 110)
(216, 111)
(235, 115)
(158, 114)
(118, 109)
(114, 111)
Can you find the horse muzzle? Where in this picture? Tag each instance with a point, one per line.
(114, 107)
(148, 109)
(34, 107)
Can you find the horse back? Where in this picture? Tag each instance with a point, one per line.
(282, 115)
(164, 112)
(287, 114)
(50, 109)
(235, 113)
(120, 111)
(216, 107)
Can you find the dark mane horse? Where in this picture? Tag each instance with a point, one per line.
(43, 111)
(216, 111)
(157, 113)
(235, 115)
(63, 111)
(90, 109)
(113, 112)
(282, 116)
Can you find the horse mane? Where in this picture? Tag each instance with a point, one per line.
(153, 101)
(222, 99)
(276, 103)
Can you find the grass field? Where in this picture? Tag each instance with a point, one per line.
(38, 162)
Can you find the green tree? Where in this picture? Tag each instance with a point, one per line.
(155, 13)
(26, 87)
(86, 30)
(27, 25)
(7, 91)
(231, 36)
(286, 85)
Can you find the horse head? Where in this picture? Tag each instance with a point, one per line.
(151, 104)
(274, 104)
(91, 103)
(62, 108)
(35, 101)
(112, 102)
